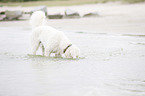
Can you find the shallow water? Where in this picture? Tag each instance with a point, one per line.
(110, 65)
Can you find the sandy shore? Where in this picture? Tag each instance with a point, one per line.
(112, 55)
(114, 18)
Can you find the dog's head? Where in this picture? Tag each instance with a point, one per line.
(72, 52)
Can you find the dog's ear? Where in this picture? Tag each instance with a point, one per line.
(73, 54)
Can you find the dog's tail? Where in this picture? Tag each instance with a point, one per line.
(38, 18)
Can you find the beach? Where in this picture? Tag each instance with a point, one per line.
(112, 57)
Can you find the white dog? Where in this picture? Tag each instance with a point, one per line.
(52, 40)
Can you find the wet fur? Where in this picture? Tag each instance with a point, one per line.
(49, 39)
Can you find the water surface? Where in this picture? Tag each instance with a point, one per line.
(110, 65)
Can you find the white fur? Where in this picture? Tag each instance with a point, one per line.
(52, 40)
(38, 19)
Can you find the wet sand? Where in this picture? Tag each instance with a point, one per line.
(114, 18)
(112, 56)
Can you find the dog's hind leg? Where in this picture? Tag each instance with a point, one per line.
(35, 47)
(57, 55)
(47, 52)
(43, 50)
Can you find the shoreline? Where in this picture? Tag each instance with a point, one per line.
(114, 18)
